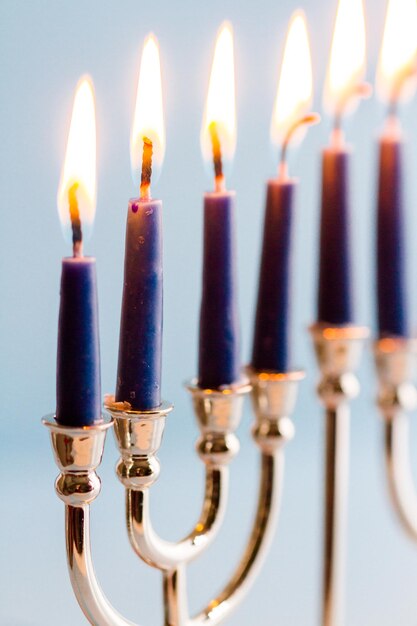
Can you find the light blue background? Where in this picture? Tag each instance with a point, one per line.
(44, 47)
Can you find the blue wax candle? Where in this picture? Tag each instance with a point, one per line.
(78, 364)
(335, 289)
(271, 343)
(139, 368)
(219, 363)
(392, 313)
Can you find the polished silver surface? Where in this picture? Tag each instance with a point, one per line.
(94, 604)
(338, 351)
(273, 398)
(396, 361)
(78, 453)
(139, 436)
(218, 415)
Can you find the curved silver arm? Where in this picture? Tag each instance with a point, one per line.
(166, 555)
(272, 470)
(396, 365)
(273, 398)
(78, 452)
(398, 467)
(91, 598)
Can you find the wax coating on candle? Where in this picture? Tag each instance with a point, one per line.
(335, 288)
(219, 349)
(271, 343)
(78, 361)
(392, 301)
(140, 346)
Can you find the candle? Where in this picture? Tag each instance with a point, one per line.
(397, 66)
(78, 359)
(271, 343)
(343, 87)
(219, 363)
(140, 346)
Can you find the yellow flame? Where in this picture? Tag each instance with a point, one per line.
(295, 88)
(148, 119)
(221, 99)
(79, 168)
(398, 56)
(348, 57)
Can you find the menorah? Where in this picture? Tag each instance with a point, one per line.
(78, 453)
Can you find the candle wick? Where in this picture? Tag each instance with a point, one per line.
(219, 179)
(308, 120)
(360, 90)
(393, 108)
(409, 72)
(145, 181)
(77, 235)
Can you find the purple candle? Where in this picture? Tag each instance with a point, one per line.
(395, 82)
(272, 340)
(139, 369)
(271, 343)
(78, 392)
(78, 359)
(140, 346)
(219, 362)
(344, 86)
(335, 279)
(392, 310)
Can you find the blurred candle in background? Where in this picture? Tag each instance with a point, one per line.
(396, 82)
(271, 343)
(219, 362)
(140, 346)
(344, 85)
(78, 359)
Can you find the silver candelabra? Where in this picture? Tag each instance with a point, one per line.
(78, 453)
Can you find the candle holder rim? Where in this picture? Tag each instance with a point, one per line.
(330, 332)
(239, 388)
(215, 194)
(119, 411)
(275, 376)
(288, 182)
(394, 344)
(51, 423)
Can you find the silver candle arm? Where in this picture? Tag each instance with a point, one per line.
(274, 397)
(396, 367)
(78, 453)
(338, 351)
(166, 555)
(139, 436)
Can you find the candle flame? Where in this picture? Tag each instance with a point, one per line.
(218, 133)
(295, 88)
(147, 142)
(398, 59)
(77, 187)
(346, 72)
